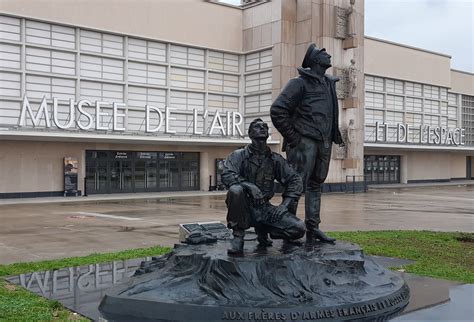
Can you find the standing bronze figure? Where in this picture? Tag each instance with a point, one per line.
(249, 174)
(306, 114)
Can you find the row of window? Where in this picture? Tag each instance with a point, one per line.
(380, 84)
(413, 119)
(64, 38)
(100, 65)
(409, 104)
(467, 104)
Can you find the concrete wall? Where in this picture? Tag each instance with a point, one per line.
(185, 21)
(36, 166)
(458, 165)
(383, 58)
(27, 166)
(261, 25)
(462, 82)
(435, 165)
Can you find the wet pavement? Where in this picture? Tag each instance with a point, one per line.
(458, 308)
(33, 232)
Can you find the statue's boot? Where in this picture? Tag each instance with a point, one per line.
(237, 243)
(285, 238)
(317, 234)
(312, 219)
(262, 237)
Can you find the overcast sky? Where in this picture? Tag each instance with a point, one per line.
(444, 26)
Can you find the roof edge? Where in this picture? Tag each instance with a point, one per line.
(462, 71)
(407, 46)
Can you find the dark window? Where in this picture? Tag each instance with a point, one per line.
(382, 169)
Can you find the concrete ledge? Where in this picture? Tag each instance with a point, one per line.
(351, 102)
(350, 43)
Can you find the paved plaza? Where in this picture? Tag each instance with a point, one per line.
(39, 231)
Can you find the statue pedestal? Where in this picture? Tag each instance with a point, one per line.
(351, 102)
(330, 282)
(349, 43)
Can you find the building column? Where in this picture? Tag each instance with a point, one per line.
(404, 168)
(204, 171)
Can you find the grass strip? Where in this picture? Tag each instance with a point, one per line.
(28, 267)
(442, 255)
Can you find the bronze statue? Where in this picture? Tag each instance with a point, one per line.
(249, 174)
(306, 114)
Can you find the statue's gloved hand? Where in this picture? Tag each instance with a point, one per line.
(338, 139)
(257, 196)
(294, 140)
(277, 213)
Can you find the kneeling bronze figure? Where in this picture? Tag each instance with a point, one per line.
(249, 174)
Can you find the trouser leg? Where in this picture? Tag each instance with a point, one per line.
(313, 195)
(312, 209)
(313, 186)
(303, 159)
(289, 227)
(238, 217)
(238, 208)
(311, 161)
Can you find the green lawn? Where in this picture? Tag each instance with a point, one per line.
(437, 254)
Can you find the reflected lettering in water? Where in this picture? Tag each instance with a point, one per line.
(80, 288)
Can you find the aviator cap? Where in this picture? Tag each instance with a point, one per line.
(311, 54)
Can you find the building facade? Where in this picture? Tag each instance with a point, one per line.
(418, 116)
(151, 96)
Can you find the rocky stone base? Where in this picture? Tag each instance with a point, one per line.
(323, 282)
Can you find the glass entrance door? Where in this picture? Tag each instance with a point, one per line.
(117, 171)
(121, 173)
(146, 171)
(169, 171)
(382, 169)
(96, 172)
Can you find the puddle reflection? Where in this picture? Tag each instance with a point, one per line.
(79, 288)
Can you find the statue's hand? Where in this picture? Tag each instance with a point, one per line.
(294, 140)
(277, 213)
(338, 140)
(257, 196)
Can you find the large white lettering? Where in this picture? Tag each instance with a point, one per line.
(217, 124)
(148, 128)
(99, 116)
(71, 118)
(105, 116)
(116, 115)
(80, 108)
(168, 120)
(236, 126)
(36, 119)
(425, 134)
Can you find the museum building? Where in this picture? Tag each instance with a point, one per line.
(152, 96)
